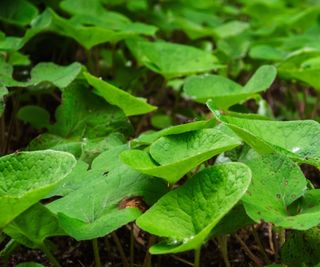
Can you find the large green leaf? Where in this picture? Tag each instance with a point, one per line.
(225, 92)
(187, 215)
(19, 12)
(296, 139)
(171, 157)
(278, 193)
(172, 60)
(33, 226)
(128, 103)
(98, 207)
(27, 177)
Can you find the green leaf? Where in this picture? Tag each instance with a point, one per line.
(303, 66)
(95, 209)
(302, 248)
(277, 184)
(225, 92)
(33, 226)
(171, 157)
(59, 76)
(27, 177)
(231, 28)
(131, 105)
(84, 114)
(172, 60)
(38, 117)
(187, 215)
(296, 139)
(19, 12)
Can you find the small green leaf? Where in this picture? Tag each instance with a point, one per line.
(33, 226)
(225, 92)
(38, 117)
(128, 103)
(187, 215)
(173, 156)
(172, 60)
(27, 177)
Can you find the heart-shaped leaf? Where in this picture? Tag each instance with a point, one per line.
(187, 215)
(225, 92)
(277, 183)
(27, 177)
(103, 203)
(171, 157)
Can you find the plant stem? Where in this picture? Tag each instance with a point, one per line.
(50, 256)
(223, 247)
(96, 253)
(197, 253)
(131, 247)
(120, 249)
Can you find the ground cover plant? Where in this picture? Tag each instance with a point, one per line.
(159, 133)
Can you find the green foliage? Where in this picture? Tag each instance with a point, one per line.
(172, 60)
(187, 215)
(225, 92)
(171, 157)
(27, 177)
(108, 96)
